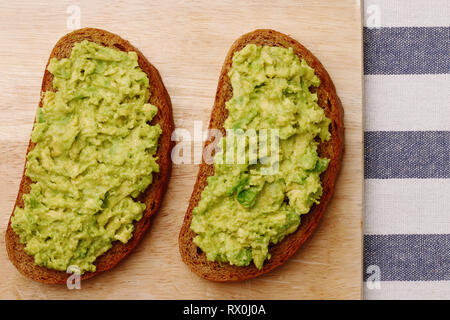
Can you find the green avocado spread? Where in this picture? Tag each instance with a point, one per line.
(243, 210)
(94, 154)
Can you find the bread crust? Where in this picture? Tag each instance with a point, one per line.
(152, 196)
(333, 149)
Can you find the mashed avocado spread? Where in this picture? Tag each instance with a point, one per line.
(94, 153)
(242, 209)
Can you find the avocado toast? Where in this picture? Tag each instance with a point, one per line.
(157, 108)
(218, 268)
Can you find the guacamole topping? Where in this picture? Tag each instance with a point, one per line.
(94, 154)
(243, 209)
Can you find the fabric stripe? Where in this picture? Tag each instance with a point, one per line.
(414, 206)
(406, 154)
(408, 257)
(406, 13)
(406, 50)
(407, 102)
(414, 290)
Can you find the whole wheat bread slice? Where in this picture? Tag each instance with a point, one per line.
(152, 196)
(333, 149)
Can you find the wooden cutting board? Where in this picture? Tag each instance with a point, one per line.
(187, 41)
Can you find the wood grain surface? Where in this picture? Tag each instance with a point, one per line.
(187, 41)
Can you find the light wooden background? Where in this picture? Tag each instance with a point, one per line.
(187, 41)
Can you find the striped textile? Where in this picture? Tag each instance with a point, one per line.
(407, 149)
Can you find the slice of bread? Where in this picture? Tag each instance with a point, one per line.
(332, 149)
(152, 196)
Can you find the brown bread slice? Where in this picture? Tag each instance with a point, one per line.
(152, 196)
(333, 149)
